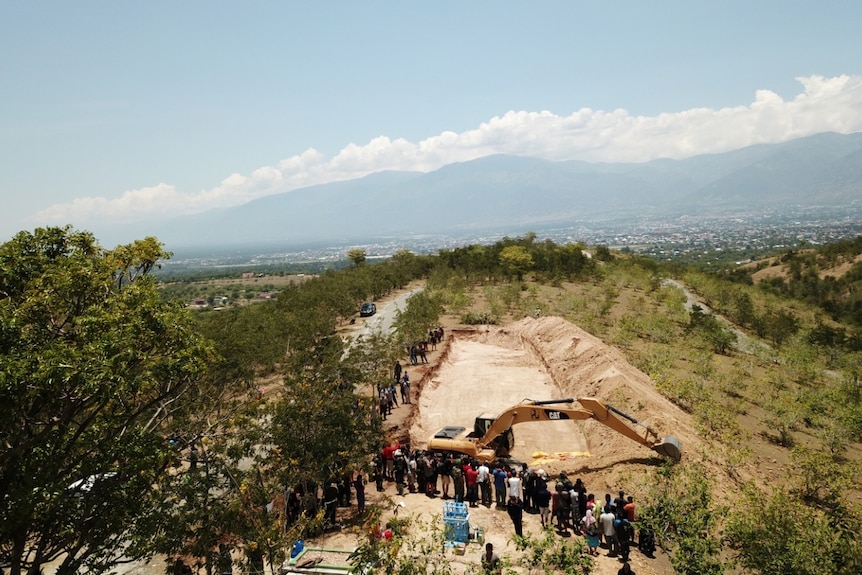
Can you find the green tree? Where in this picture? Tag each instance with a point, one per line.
(422, 313)
(93, 367)
(682, 516)
(516, 261)
(603, 253)
(812, 541)
(320, 427)
(719, 337)
(357, 256)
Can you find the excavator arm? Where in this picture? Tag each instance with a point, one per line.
(590, 408)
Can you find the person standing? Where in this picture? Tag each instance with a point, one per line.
(561, 512)
(629, 508)
(445, 469)
(421, 476)
(405, 388)
(378, 474)
(471, 476)
(573, 501)
(484, 480)
(591, 531)
(606, 520)
(620, 502)
(515, 508)
(581, 489)
(609, 505)
(388, 454)
(412, 475)
(400, 472)
(397, 372)
(431, 475)
(626, 569)
(330, 502)
(383, 406)
(623, 529)
(500, 477)
(458, 481)
(543, 502)
(528, 487)
(359, 487)
(344, 489)
(514, 483)
(591, 504)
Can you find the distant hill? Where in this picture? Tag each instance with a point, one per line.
(505, 193)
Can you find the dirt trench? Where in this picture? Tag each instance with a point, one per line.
(489, 369)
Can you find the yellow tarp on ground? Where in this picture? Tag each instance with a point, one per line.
(540, 457)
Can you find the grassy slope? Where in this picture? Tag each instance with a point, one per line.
(753, 407)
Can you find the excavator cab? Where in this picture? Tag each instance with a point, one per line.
(503, 443)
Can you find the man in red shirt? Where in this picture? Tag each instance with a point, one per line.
(629, 508)
(389, 459)
(472, 480)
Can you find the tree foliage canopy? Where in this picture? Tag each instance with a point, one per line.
(93, 367)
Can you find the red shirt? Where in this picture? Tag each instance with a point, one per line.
(389, 452)
(472, 476)
(630, 511)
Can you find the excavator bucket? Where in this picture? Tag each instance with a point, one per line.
(669, 447)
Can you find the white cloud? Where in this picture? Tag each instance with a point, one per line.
(825, 104)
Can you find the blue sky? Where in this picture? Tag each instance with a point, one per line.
(135, 111)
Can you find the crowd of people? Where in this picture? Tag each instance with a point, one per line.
(561, 504)
(388, 394)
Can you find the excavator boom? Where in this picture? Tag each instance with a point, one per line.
(449, 439)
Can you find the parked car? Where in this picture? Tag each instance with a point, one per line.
(367, 309)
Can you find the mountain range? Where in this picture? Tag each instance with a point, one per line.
(508, 192)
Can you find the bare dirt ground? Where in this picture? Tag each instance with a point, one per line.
(488, 372)
(488, 369)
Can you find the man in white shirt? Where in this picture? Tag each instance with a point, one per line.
(484, 480)
(515, 485)
(606, 520)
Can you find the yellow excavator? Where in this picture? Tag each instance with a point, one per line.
(492, 436)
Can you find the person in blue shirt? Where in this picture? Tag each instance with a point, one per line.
(500, 476)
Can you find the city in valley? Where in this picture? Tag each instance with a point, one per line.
(704, 239)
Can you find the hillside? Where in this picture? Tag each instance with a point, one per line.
(736, 427)
(760, 389)
(828, 278)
